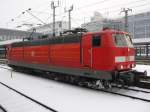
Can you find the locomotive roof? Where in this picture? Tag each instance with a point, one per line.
(70, 38)
(106, 31)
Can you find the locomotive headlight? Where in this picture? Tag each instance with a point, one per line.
(132, 65)
(128, 66)
(121, 67)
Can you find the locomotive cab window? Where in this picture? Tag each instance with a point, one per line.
(122, 40)
(96, 41)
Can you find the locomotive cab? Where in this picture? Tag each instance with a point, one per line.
(108, 51)
(124, 51)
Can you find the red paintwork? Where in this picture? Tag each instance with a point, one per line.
(16, 54)
(68, 55)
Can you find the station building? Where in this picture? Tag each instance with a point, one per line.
(138, 24)
(47, 29)
(138, 27)
(10, 34)
(97, 23)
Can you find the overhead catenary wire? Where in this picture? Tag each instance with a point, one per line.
(79, 10)
(118, 10)
(86, 6)
(112, 11)
(28, 11)
(15, 19)
(89, 5)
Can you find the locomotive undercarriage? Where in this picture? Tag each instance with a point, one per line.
(128, 78)
(122, 78)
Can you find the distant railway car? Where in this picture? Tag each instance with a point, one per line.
(106, 56)
(2, 52)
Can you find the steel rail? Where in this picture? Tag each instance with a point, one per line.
(3, 109)
(129, 96)
(39, 103)
(137, 90)
(115, 93)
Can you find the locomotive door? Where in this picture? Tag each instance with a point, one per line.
(87, 51)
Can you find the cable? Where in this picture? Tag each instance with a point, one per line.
(90, 5)
(80, 9)
(96, 3)
(116, 10)
(113, 6)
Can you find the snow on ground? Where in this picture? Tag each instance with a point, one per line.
(143, 68)
(1, 110)
(68, 98)
(13, 102)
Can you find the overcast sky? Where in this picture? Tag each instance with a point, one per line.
(83, 10)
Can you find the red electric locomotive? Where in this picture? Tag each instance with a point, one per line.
(103, 57)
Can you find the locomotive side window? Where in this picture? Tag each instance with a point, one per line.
(96, 40)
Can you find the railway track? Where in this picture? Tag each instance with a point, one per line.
(2, 109)
(120, 92)
(129, 92)
(3, 61)
(132, 89)
(125, 92)
(143, 60)
(125, 95)
(29, 98)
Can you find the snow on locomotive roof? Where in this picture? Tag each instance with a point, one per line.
(10, 41)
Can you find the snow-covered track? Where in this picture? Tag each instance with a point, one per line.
(118, 92)
(125, 95)
(33, 100)
(124, 92)
(2, 109)
(3, 61)
(132, 89)
(121, 92)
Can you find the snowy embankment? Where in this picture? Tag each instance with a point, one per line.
(68, 98)
(143, 68)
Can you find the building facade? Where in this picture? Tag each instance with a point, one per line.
(139, 25)
(95, 26)
(9, 34)
(97, 23)
(60, 26)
